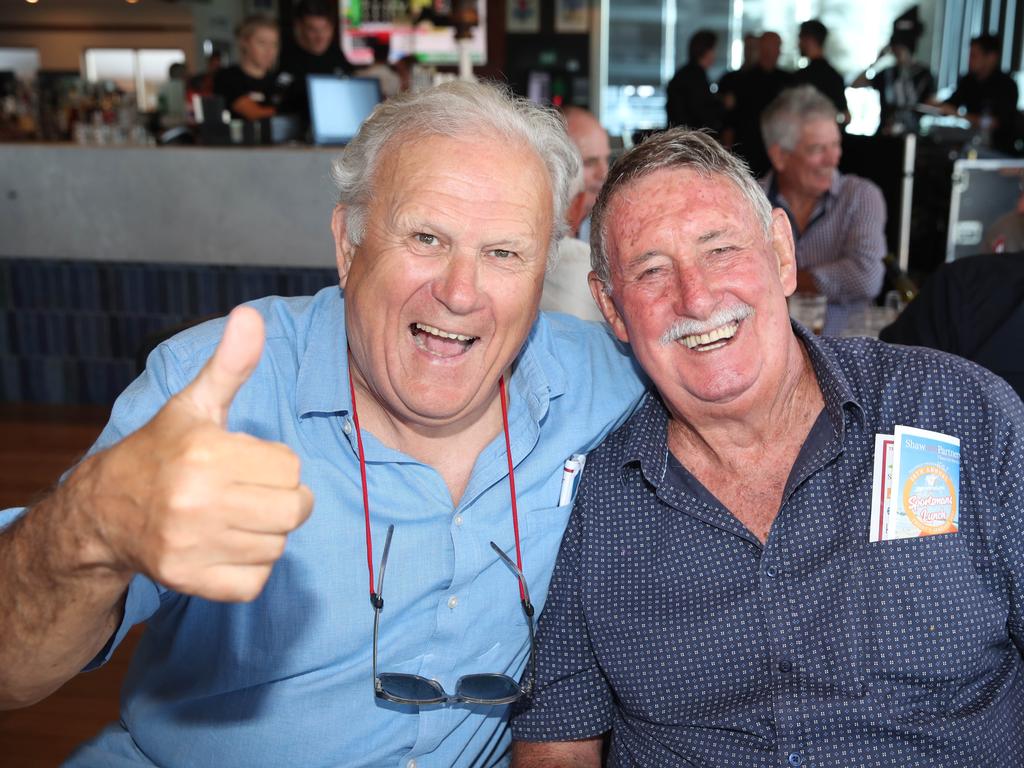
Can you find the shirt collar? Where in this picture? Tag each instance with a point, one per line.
(322, 386)
(647, 442)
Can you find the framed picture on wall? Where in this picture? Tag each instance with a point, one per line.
(572, 16)
(522, 16)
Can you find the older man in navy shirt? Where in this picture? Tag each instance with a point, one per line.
(719, 598)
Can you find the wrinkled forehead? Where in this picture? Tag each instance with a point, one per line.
(506, 160)
(680, 199)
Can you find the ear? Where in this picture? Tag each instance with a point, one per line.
(344, 251)
(777, 155)
(607, 307)
(784, 250)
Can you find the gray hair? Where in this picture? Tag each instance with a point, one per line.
(783, 119)
(677, 148)
(457, 110)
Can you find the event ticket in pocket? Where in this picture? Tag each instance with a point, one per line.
(916, 488)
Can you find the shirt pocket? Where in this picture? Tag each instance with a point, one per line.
(542, 531)
(930, 629)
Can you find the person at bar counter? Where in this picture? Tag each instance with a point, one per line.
(250, 88)
(838, 219)
(986, 95)
(314, 50)
(718, 599)
(423, 404)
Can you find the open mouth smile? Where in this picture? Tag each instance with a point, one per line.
(712, 340)
(440, 343)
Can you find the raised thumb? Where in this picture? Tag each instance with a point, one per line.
(232, 363)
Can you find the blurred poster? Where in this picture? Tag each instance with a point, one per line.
(572, 16)
(522, 16)
(420, 28)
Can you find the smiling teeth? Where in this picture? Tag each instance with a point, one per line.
(442, 334)
(718, 334)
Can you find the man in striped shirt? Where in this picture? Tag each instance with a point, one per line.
(838, 220)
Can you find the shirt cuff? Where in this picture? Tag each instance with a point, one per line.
(141, 602)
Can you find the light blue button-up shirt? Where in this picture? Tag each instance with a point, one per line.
(286, 679)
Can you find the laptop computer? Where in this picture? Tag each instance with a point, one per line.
(339, 105)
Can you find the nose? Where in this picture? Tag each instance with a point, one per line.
(694, 297)
(457, 286)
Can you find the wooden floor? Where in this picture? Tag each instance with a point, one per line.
(39, 443)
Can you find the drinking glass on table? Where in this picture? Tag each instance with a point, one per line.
(809, 309)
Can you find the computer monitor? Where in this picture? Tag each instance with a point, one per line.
(339, 105)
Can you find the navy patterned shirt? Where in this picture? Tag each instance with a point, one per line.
(671, 625)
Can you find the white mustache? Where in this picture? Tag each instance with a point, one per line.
(718, 318)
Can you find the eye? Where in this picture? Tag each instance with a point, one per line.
(425, 239)
(650, 272)
(501, 253)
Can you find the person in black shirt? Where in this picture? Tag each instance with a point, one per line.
(315, 50)
(818, 71)
(249, 88)
(986, 95)
(755, 89)
(690, 101)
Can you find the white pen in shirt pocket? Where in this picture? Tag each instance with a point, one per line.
(572, 471)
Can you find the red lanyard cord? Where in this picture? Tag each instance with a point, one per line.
(366, 497)
(511, 481)
(362, 478)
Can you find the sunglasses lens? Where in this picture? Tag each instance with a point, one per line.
(410, 687)
(488, 687)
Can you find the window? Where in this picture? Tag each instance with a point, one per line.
(23, 62)
(138, 71)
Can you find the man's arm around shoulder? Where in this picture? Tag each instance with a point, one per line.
(585, 753)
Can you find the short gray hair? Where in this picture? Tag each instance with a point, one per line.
(783, 119)
(456, 110)
(677, 148)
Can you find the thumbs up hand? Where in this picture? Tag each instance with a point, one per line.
(199, 509)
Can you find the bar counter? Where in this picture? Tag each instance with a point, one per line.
(201, 205)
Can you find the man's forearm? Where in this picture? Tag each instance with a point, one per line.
(59, 601)
(557, 754)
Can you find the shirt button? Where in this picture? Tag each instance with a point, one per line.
(453, 601)
(347, 427)
(411, 764)
(770, 572)
(458, 519)
(785, 667)
(795, 759)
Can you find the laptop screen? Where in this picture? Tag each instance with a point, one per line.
(339, 105)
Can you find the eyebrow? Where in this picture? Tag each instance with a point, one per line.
(642, 258)
(712, 235)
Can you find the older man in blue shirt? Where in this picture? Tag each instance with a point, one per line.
(724, 595)
(418, 413)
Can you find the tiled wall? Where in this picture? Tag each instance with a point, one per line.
(72, 331)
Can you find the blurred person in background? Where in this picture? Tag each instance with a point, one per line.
(250, 88)
(819, 72)
(314, 50)
(754, 90)
(904, 83)
(690, 101)
(838, 220)
(591, 139)
(987, 96)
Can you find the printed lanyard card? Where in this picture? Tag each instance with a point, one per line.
(916, 489)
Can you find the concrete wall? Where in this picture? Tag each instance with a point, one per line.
(191, 205)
